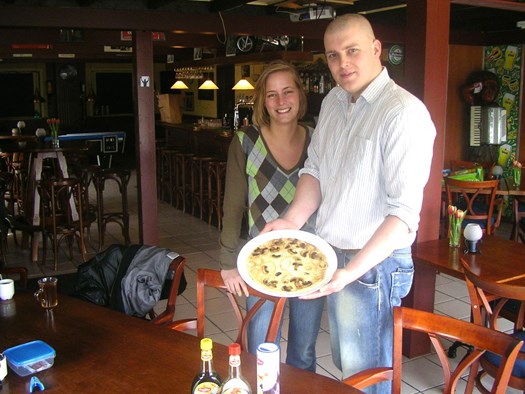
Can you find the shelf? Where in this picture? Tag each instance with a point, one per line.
(261, 57)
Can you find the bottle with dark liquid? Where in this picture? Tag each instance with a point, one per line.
(207, 381)
(236, 383)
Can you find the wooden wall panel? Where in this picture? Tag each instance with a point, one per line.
(463, 60)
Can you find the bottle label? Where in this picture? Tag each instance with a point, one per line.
(236, 390)
(206, 355)
(235, 361)
(207, 387)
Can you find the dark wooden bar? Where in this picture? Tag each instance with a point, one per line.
(202, 141)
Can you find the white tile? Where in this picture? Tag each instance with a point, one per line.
(456, 289)
(455, 308)
(325, 363)
(422, 374)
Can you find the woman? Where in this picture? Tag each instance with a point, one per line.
(263, 161)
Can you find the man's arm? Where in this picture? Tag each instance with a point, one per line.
(306, 201)
(384, 241)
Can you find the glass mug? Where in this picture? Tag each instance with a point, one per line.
(47, 292)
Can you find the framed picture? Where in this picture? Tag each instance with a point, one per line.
(197, 53)
(230, 46)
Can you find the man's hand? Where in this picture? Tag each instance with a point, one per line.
(341, 278)
(234, 283)
(279, 224)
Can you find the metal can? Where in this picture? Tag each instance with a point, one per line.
(268, 362)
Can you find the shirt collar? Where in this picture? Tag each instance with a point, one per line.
(371, 93)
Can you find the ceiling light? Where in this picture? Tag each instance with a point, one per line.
(179, 85)
(208, 85)
(243, 84)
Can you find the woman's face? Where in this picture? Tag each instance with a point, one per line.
(282, 97)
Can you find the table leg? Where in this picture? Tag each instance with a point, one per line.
(420, 297)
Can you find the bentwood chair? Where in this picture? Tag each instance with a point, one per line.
(207, 278)
(478, 198)
(443, 328)
(175, 274)
(60, 205)
(490, 302)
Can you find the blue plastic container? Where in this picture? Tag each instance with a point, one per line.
(30, 357)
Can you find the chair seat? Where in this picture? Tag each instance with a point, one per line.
(519, 366)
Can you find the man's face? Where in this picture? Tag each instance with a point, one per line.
(353, 58)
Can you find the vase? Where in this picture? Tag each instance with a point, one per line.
(516, 174)
(454, 232)
(56, 143)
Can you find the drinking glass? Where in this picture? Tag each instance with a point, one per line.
(47, 292)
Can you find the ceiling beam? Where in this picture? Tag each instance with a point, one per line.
(226, 5)
(91, 18)
(499, 4)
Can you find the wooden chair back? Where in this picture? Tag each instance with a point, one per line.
(176, 271)
(490, 302)
(213, 279)
(60, 203)
(442, 329)
(20, 271)
(478, 198)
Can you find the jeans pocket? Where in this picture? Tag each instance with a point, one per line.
(401, 283)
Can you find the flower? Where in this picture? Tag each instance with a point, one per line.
(455, 218)
(54, 125)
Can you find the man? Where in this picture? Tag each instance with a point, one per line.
(367, 165)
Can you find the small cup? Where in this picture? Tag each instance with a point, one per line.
(47, 292)
(7, 289)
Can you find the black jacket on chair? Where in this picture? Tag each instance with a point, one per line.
(129, 279)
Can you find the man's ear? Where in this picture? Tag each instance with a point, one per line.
(377, 47)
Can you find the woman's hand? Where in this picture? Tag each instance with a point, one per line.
(279, 224)
(234, 283)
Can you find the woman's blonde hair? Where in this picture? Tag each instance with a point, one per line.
(260, 115)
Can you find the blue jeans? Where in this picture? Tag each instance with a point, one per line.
(305, 320)
(361, 315)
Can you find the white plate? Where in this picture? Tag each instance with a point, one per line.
(321, 244)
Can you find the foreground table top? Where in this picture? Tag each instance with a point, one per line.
(100, 350)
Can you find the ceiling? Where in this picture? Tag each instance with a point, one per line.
(85, 27)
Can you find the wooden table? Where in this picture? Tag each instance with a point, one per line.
(499, 260)
(102, 351)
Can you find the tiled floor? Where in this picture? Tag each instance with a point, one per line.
(198, 242)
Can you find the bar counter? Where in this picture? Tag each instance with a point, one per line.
(190, 138)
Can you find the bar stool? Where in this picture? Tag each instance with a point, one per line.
(167, 174)
(182, 179)
(198, 177)
(216, 179)
(89, 211)
(121, 178)
(61, 205)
